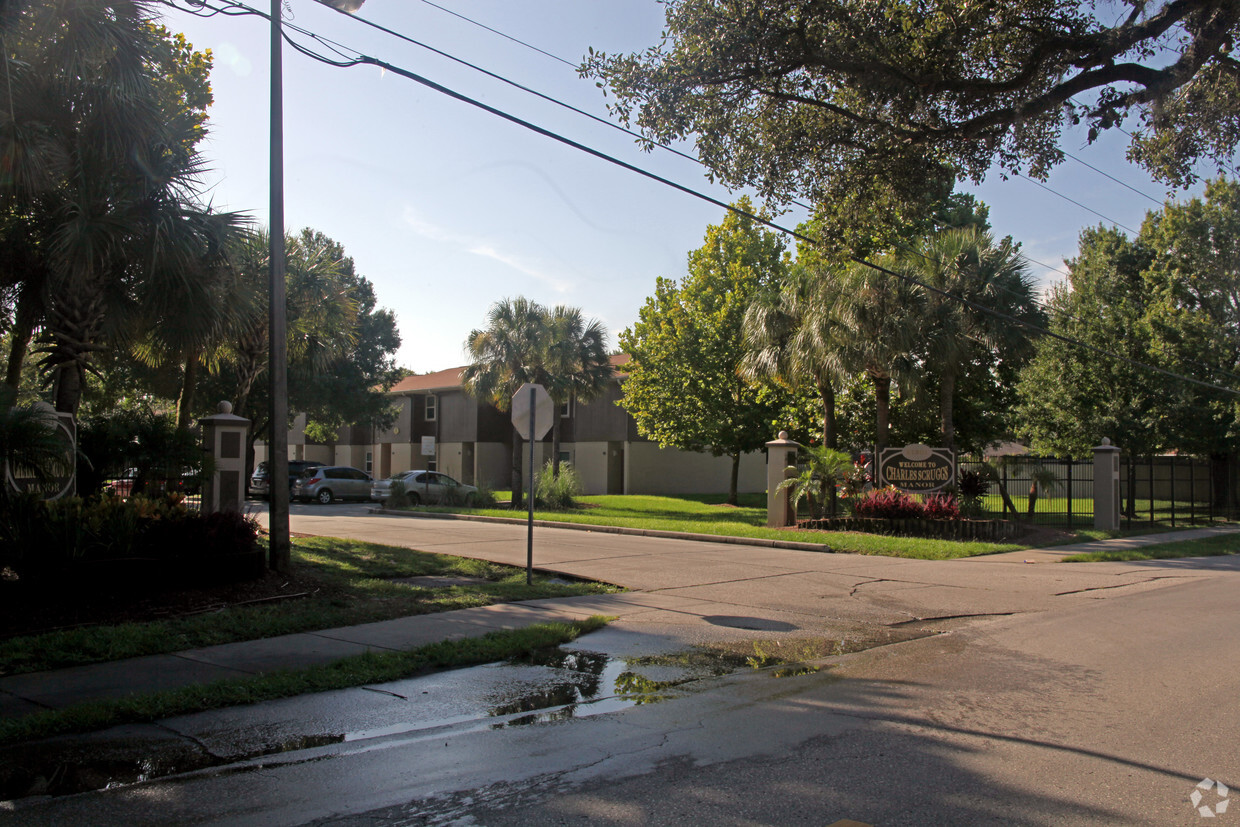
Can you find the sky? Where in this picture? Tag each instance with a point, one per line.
(448, 209)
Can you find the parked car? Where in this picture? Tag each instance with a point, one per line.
(330, 482)
(260, 482)
(426, 487)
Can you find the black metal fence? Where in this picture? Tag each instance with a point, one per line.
(128, 481)
(1156, 491)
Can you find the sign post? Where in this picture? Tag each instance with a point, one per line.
(531, 408)
(428, 450)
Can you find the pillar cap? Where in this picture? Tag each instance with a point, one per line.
(783, 440)
(224, 417)
(1106, 445)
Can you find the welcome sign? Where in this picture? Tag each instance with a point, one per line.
(917, 469)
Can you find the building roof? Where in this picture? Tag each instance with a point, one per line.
(438, 381)
(450, 379)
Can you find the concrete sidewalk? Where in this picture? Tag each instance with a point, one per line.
(1053, 554)
(700, 589)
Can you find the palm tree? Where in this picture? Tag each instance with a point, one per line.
(186, 320)
(875, 313)
(576, 365)
(967, 264)
(793, 336)
(504, 356)
(816, 482)
(102, 172)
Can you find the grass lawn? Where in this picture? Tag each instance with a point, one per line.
(345, 582)
(707, 514)
(1203, 547)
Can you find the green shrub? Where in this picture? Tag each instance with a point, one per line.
(145, 446)
(484, 497)
(398, 496)
(42, 540)
(557, 493)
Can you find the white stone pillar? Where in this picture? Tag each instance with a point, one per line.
(780, 453)
(224, 436)
(1106, 486)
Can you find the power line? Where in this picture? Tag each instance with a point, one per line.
(1074, 201)
(494, 31)
(646, 140)
(1113, 178)
(363, 59)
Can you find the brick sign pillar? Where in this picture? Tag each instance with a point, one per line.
(1106, 486)
(780, 453)
(224, 436)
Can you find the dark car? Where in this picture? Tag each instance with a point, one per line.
(260, 484)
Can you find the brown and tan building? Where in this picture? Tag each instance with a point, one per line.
(439, 426)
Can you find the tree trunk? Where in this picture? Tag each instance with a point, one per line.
(826, 391)
(68, 384)
(555, 442)
(23, 331)
(947, 424)
(518, 500)
(882, 398)
(185, 402)
(736, 473)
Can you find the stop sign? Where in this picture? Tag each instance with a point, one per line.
(532, 406)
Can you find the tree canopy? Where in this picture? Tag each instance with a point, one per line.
(685, 385)
(873, 108)
(1170, 298)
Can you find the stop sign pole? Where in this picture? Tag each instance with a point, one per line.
(526, 402)
(529, 494)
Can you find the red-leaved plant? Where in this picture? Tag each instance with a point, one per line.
(889, 504)
(941, 507)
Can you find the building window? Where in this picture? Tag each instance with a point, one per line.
(370, 462)
(430, 407)
(432, 465)
(566, 409)
(566, 457)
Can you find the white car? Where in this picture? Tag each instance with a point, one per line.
(427, 487)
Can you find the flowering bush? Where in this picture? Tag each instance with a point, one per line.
(941, 507)
(889, 504)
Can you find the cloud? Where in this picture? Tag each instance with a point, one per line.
(226, 54)
(485, 248)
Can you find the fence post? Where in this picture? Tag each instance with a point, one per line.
(224, 437)
(1069, 492)
(780, 453)
(1192, 491)
(1106, 486)
(1151, 489)
(1173, 476)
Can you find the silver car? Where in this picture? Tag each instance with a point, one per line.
(426, 487)
(330, 482)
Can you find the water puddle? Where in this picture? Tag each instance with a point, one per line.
(549, 686)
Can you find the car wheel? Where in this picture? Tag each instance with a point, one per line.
(325, 496)
(414, 499)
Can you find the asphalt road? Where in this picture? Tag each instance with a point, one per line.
(1055, 694)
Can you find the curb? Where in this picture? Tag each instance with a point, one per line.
(790, 545)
